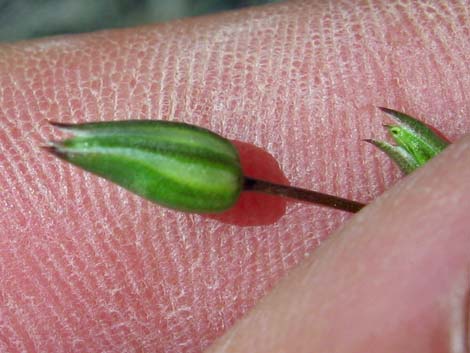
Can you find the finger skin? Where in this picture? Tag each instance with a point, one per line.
(395, 278)
(86, 266)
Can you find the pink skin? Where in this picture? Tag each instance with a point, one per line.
(87, 266)
(396, 278)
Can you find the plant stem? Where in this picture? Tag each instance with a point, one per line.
(319, 198)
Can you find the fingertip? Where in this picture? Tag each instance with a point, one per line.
(387, 280)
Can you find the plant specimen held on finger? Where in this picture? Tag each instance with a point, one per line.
(176, 165)
(189, 168)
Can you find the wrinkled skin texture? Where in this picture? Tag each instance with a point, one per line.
(396, 278)
(86, 266)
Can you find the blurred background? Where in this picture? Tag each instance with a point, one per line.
(23, 19)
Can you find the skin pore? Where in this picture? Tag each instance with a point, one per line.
(86, 266)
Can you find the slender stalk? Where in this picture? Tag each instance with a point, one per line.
(319, 198)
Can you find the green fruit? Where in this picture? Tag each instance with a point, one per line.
(177, 165)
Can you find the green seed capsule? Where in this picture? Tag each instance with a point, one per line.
(177, 165)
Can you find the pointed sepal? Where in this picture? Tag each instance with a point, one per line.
(416, 143)
(398, 154)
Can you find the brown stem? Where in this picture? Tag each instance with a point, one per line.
(302, 194)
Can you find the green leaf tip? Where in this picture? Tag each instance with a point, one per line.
(416, 143)
(177, 165)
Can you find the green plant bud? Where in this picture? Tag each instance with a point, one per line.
(418, 135)
(412, 144)
(416, 142)
(177, 165)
